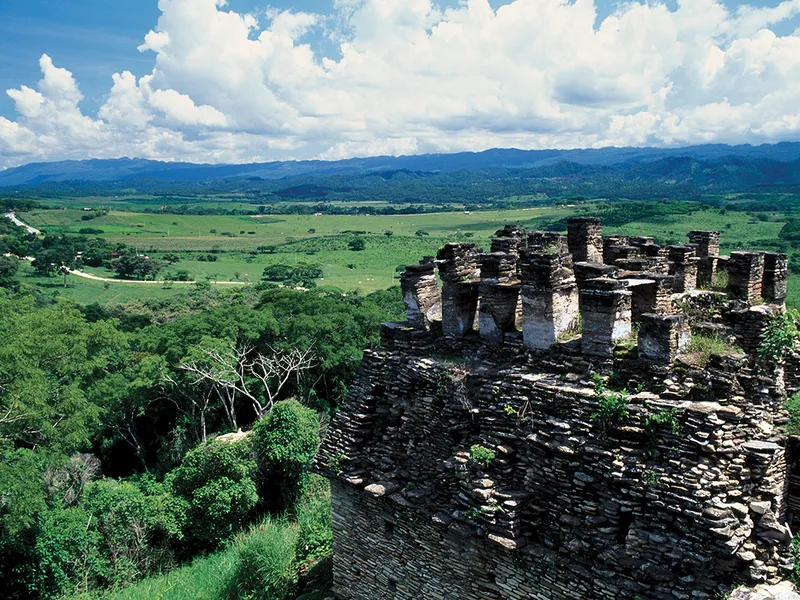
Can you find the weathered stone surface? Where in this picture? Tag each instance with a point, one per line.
(745, 276)
(776, 273)
(585, 237)
(499, 291)
(781, 591)
(549, 297)
(605, 315)
(662, 338)
(459, 270)
(421, 294)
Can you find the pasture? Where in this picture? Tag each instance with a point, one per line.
(243, 246)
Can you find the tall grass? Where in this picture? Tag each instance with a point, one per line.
(703, 347)
(265, 565)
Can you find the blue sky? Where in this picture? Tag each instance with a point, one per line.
(727, 79)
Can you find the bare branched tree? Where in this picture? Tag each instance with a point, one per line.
(232, 370)
(274, 371)
(191, 401)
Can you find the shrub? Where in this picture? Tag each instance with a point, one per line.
(481, 455)
(265, 566)
(357, 245)
(780, 337)
(612, 407)
(285, 442)
(216, 482)
(65, 554)
(136, 522)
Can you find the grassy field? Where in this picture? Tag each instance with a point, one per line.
(322, 240)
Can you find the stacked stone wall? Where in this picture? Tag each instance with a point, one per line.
(569, 505)
(683, 490)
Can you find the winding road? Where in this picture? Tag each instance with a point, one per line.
(148, 281)
(35, 231)
(19, 223)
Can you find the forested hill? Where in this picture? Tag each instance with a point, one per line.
(707, 165)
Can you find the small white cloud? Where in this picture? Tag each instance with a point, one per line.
(157, 41)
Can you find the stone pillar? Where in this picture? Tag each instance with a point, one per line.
(549, 298)
(421, 294)
(606, 315)
(585, 237)
(510, 239)
(750, 325)
(615, 247)
(774, 283)
(652, 293)
(662, 338)
(707, 245)
(499, 296)
(707, 242)
(683, 266)
(745, 275)
(657, 259)
(585, 271)
(459, 270)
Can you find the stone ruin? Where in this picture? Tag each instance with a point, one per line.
(471, 458)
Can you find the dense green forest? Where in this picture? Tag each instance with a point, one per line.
(112, 467)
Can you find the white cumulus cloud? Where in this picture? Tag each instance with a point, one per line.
(411, 76)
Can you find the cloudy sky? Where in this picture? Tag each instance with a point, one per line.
(216, 81)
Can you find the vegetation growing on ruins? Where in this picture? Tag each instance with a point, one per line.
(481, 455)
(612, 406)
(780, 337)
(792, 427)
(703, 347)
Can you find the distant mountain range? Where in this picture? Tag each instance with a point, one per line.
(126, 169)
(471, 178)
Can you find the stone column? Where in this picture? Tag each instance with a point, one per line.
(707, 244)
(606, 315)
(510, 239)
(774, 283)
(585, 271)
(614, 247)
(662, 337)
(651, 294)
(459, 270)
(585, 237)
(745, 275)
(549, 298)
(683, 266)
(421, 294)
(657, 259)
(499, 296)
